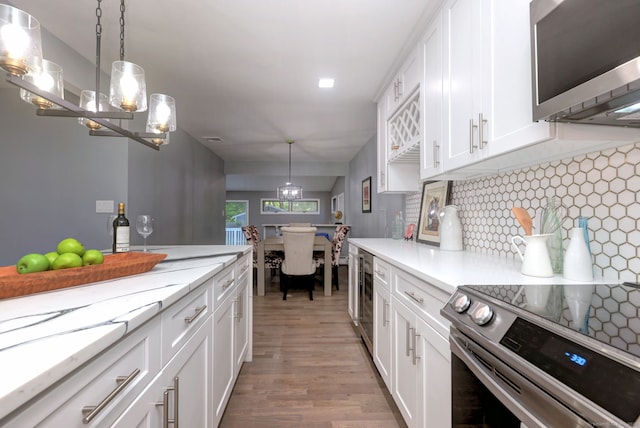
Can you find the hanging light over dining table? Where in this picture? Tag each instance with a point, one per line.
(289, 191)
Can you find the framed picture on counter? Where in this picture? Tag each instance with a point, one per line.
(366, 195)
(435, 195)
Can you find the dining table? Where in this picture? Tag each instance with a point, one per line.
(276, 243)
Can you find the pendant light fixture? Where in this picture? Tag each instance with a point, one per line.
(289, 191)
(42, 85)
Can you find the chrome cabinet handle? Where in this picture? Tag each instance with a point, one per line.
(227, 284)
(481, 122)
(192, 318)
(400, 92)
(411, 339)
(436, 152)
(415, 341)
(244, 268)
(414, 297)
(176, 404)
(239, 312)
(380, 273)
(91, 412)
(385, 313)
(408, 338)
(471, 145)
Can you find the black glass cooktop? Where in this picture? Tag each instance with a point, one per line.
(611, 312)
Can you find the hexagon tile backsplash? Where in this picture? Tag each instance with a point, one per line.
(602, 186)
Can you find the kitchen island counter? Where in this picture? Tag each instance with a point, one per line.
(44, 337)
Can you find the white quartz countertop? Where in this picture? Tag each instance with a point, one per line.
(450, 269)
(44, 337)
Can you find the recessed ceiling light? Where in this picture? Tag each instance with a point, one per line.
(325, 82)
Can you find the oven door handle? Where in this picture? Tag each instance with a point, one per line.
(523, 398)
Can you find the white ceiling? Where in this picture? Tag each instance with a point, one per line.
(247, 70)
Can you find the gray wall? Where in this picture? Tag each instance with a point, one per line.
(383, 206)
(52, 172)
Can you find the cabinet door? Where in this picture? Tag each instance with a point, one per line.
(241, 317)
(182, 392)
(410, 74)
(382, 147)
(382, 331)
(463, 82)
(223, 355)
(405, 369)
(435, 377)
(508, 109)
(431, 150)
(353, 284)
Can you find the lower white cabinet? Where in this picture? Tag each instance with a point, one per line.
(181, 394)
(177, 369)
(382, 322)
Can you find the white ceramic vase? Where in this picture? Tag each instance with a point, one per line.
(577, 264)
(535, 260)
(450, 229)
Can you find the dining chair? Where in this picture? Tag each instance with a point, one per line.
(298, 263)
(272, 259)
(339, 236)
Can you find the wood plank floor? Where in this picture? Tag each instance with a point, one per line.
(309, 367)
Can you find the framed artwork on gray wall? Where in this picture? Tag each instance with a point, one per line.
(366, 195)
(435, 195)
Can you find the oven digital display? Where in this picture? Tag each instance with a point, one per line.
(571, 357)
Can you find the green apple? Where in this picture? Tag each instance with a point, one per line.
(67, 260)
(33, 262)
(92, 257)
(51, 256)
(70, 245)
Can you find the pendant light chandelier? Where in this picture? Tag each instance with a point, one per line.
(41, 83)
(289, 191)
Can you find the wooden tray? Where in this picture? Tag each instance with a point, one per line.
(13, 284)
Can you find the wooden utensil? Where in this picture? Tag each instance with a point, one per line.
(524, 219)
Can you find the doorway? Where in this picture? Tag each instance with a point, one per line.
(236, 216)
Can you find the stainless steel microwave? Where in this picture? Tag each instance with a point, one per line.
(586, 61)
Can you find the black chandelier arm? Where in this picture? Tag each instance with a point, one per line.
(74, 111)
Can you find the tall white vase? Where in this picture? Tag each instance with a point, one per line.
(577, 260)
(450, 230)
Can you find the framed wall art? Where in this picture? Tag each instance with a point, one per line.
(366, 195)
(435, 195)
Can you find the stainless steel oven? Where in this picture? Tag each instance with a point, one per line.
(512, 367)
(365, 298)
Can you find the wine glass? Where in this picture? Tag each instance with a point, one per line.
(144, 226)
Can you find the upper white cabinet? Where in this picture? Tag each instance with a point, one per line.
(431, 151)
(487, 91)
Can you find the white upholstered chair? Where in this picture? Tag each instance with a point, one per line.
(298, 264)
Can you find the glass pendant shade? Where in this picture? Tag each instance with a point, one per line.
(48, 79)
(88, 102)
(162, 113)
(20, 42)
(128, 89)
(158, 141)
(289, 192)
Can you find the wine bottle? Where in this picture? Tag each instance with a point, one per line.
(120, 231)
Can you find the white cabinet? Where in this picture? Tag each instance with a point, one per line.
(399, 128)
(432, 106)
(382, 319)
(487, 81)
(421, 362)
(232, 332)
(95, 395)
(354, 277)
(181, 395)
(168, 371)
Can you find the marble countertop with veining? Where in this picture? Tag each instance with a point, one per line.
(46, 336)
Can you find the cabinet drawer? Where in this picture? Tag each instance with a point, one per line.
(183, 318)
(244, 265)
(109, 383)
(381, 272)
(223, 284)
(423, 298)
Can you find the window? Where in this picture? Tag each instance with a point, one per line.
(302, 206)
